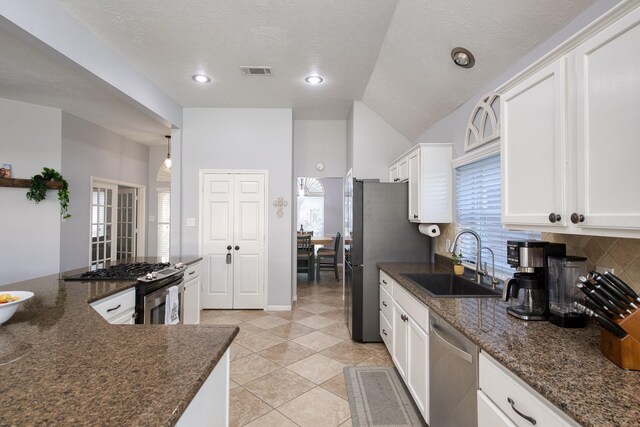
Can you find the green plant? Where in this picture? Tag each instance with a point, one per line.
(456, 259)
(38, 189)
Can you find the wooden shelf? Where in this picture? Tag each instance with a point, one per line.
(25, 183)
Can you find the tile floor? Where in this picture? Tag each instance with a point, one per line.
(286, 367)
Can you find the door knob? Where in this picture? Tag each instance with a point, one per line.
(576, 218)
(237, 247)
(554, 217)
(229, 247)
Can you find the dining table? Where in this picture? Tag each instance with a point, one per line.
(320, 240)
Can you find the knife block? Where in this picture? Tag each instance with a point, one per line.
(623, 352)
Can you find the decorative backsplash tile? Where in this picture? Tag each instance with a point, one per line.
(623, 255)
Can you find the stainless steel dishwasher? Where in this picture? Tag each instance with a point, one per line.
(453, 373)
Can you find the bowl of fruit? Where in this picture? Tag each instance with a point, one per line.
(10, 301)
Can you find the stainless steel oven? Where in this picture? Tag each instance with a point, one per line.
(151, 295)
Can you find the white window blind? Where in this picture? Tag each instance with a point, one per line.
(478, 207)
(164, 217)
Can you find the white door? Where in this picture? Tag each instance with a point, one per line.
(103, 220)
(127, 223)
(418, 366)
(533, 151)
(400, 326)
(233, 240)
(608, 125)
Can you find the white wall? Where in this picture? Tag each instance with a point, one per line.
(29, 232)
(157, 155)
(375, 144)
(452, 128)
(90, 150)
(333, 206)
(242, 138)
(317, 141)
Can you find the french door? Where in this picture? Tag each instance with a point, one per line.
(233, 240)
(127, 223)
(103, 217)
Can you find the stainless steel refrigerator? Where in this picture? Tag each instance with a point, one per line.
(377, 229)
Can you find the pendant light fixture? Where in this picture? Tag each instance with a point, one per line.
(167, 161)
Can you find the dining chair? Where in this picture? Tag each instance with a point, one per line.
(305, 255)
(328, 258)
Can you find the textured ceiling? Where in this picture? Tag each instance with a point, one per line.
(392, 54)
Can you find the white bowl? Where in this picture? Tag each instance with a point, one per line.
(8, 309)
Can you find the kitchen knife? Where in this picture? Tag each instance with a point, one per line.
(621, 285)
(604, 293)
(599, 302)
(610, 326)
(605, 283)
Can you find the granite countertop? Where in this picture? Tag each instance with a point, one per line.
(563, 365)
(61, 363)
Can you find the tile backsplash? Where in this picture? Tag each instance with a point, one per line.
(622, 255)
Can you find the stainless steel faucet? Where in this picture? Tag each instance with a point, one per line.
(454, 245)
(484, 271)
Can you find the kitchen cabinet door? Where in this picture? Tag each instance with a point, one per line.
(403, 170)
(415, 197)
(400, 326)
(418, 366)
(533, 149)
(489, 415)
(192, 302)
(393, 173)
(608, 125)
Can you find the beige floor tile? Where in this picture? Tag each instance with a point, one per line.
(347, 423)
(238, 351)
(286, 353)
(246, 315)
(339, 330)
(268, 322)
(337, 314)
(295, 314)
(317, 340)
(259, 341)
(220, 320)
(316, 322)
(246, 330)
(318, 308)
(349, 353)
(378, 359)
(245, 407)
(233, 384)
(272, 419)
(337, 386)
(251, 367)
(317, 368)
(209, 314)
(376, 346)
(290, 330)
(317, 407)
(279, 387)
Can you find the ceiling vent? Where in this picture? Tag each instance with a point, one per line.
(254, 70)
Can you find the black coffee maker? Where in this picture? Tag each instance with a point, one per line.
(529, 287)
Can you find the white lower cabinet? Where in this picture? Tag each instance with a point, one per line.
(210, 406)
(406, 339)
(192, 295)
(118, 309)
(504, 400)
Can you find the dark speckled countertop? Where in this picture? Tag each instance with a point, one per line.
(61, 363)
(563, 365)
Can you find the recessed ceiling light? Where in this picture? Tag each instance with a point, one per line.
(462, 57)
(201, 78)
(314, 80)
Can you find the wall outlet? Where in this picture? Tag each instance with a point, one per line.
(601, 269)
(191, 222)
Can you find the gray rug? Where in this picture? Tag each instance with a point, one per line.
(378, 397)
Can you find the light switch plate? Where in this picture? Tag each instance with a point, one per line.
(191, 222)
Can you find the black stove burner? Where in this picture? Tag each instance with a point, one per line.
(121, 271)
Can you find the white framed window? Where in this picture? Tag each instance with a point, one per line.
(164, 223)
(478, 207)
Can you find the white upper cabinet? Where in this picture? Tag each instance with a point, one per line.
(608, 126)
(399, 171)
(570, 131)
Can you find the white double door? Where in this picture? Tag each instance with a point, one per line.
(233, 240)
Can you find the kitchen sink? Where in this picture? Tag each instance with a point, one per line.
(450, 286)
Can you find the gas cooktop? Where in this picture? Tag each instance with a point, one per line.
(120, 272)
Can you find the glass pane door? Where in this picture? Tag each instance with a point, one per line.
(102, 220)
(127, 213)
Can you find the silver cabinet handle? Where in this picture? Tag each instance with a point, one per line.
(526, 417)
(384, 281)
(457, 351)
(193, 272)
(384, 332)
(114, 308)
(384, 303)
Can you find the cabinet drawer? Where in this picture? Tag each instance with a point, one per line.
(386, 303)
(192, 271)
(489, 415)
(386, 332)
(510, 395)
(414, 308)
(386, 282)
(116, 305)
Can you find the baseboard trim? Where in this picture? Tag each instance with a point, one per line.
(278, 308)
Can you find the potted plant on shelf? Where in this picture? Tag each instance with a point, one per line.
(38, 189)
(456, 260)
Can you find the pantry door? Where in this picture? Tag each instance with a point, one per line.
(233, 240)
